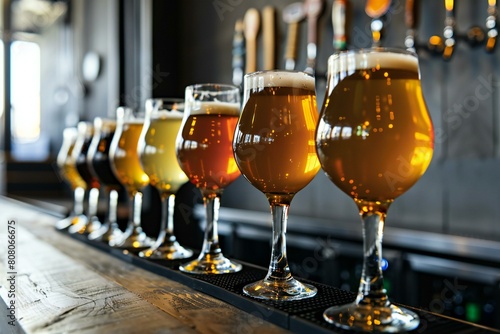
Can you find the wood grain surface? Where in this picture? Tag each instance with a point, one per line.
(65, 286)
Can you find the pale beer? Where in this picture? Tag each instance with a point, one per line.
(158, 156)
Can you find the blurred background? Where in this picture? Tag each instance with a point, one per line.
(67, 61)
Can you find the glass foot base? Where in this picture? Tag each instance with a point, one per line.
(280, 290)
(84, 226)
(70, 221)
(391, 319)
(135, 241)
(106, 233)
(211, 264)
(167, 251)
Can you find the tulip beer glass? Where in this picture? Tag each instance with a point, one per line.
(156, 151)
(67, 170)
(205, 154)
(79, 153)
(274, 149)
(374, 141)
(98, 158)
(128, 170)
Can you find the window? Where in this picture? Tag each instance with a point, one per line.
(25, 91)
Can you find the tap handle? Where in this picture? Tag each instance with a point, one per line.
(339, 9)
(449, 29)
(491, 25)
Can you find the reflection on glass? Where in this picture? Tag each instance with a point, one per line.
(205, 154)
(128, 170)
(158, 158)
(275, 150)
(377, 94)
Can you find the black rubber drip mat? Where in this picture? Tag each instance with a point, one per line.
(299, 316)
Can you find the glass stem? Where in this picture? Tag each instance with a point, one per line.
(167, 219)
(93, 202)
(278, 267)
(79, 195)
(113, 207)
(170, 217)
(371, 288)
(135, 214)
(211, 239)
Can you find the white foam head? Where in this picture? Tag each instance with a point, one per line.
(351, 61)
(259, 80)
(212, 108)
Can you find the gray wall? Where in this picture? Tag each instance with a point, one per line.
(192, 41)
(460, 193)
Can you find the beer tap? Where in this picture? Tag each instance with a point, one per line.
(491, 25)
(339, 8)
(376, 9)
(313, 9)
(410, 22)
(269, 34)
(251, 28)
(292, 15)
(449, 30)
(475, 36)
(238, 52)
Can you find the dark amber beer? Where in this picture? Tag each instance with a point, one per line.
(205, 153)
(99, 153)
(204, 147)
(375, 137)
(274, 142)
(85, 134)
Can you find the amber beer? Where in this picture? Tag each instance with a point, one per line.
(375, 137)
(124, 159)
(275, 150)
(204, 146)
(158, 156)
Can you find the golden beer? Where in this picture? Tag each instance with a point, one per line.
(66, 163)
(375, 137)
(275, 149)
(124, 159)
(204, 146)
(158, 156)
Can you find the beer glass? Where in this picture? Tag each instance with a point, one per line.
(98, 158)
(127, 168)
(374, 141)
(67, 170)
(274, 149)
(156, 151)
(205, 154)
(84, 137)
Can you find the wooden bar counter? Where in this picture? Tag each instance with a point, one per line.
(65, 286)
(56, 283)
